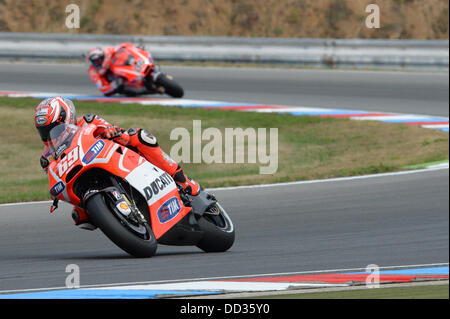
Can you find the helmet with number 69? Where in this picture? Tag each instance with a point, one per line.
(51, 112)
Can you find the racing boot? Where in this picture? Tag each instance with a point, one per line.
(189, 185)
(81, 219)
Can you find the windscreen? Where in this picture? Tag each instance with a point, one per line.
(61, 137)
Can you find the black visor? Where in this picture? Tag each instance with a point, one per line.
(44, 131)
(97, 62)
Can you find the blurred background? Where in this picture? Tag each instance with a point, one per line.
(401, 19)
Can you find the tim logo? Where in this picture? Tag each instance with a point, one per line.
(93, 152)
(169, 210)
(57, 189)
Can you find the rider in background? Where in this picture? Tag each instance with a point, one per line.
(100, 60)
(57, 110)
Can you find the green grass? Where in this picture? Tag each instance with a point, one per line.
(407, 292)
(308, 147)
(422, 165)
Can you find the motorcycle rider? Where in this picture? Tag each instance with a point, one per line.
(100, 61)
(57, 110)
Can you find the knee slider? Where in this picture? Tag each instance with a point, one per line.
(147, 138)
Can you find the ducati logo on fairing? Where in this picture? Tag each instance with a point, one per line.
(169, 210)
(157, 185)
(93, 152)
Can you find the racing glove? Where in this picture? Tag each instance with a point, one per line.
(112, 132)
(44, 162)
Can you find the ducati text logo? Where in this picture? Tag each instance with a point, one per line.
(93, 152)
(157, 185)
(169, 210)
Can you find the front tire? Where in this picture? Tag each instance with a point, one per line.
(218, 230)
(110, 225)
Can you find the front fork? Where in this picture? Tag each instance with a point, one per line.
(120, 200)
(151, 80)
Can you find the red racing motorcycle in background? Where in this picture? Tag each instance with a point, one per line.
(139, 73)
(134, 203)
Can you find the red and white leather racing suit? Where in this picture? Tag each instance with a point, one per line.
(105, 82)
(99, 76)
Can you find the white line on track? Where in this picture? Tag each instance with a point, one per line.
(26, 203)
(338, 179)
(226, 277)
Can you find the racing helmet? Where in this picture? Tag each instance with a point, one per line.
(96, 57)
(51, 112)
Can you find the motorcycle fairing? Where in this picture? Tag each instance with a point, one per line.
(155, 185)
(133, 64)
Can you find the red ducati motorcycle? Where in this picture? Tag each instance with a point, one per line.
(139, 73)
(134, 203)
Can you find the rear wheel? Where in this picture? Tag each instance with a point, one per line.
(218, 230)
(171, 87)
(137, 239)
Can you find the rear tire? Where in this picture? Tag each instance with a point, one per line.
(102, 217)
(171, 87)
(218, 232)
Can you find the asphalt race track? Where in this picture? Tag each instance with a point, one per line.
(399, 219)
(402, 92)
(390, 220)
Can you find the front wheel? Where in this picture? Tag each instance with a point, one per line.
(171, 87)
(136, 239)
(218, 230)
